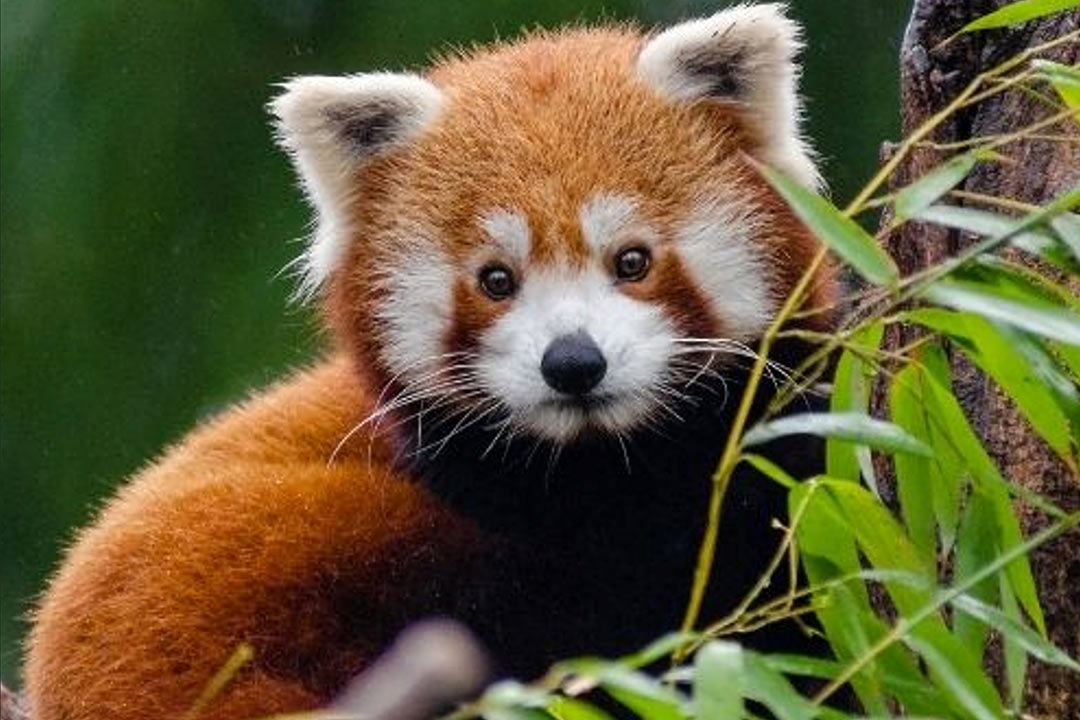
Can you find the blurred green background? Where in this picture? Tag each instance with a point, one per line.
(144, 213)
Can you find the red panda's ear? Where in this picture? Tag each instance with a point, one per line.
(744, 57)
(331, 126)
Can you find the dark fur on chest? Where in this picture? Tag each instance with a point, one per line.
(597, 541)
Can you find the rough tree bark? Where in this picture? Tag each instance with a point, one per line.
(931, 76)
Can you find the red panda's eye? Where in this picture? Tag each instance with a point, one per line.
(497, 282)
(632, 264)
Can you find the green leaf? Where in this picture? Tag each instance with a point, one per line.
(987, 224)
(1064, 78)
(855, 427)
(646, 706)
(948, 472)
(719, 681)
(1067, 227)
(908, 688)
(881, 538)
(957, 673)
(1019, 282)
(639, 692)
(885, 544)
(954, 423)
(770, 470)
(514, 713)
(985, 301)
(920, 194)
(976, 547)
(840, 233)
(827, 551)
(565, 708)
(1015, 657)
(914, 481)
(1030, 640)
(1070, 358)
(858, 630)
(510, 700)
(851, 393)
(824, 532)
(806, 665)
(658, 649)
(1019, 12)
(772, 690)
(1042, 391)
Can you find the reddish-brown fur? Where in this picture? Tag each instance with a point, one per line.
(244, 532)
(238, 536)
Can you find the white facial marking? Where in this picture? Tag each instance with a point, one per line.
(415, 312)
(635, 338)
(321, 123)
(609, 219)
(744, 55)
(510, 231)
(719, 246)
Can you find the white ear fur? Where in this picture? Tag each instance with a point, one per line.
(331, 126)
(744, 56)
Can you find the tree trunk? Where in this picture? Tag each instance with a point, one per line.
(931, 76)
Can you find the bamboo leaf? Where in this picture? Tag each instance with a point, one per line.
(856, 427)
(914, 482)
(987, 224)
(954, 423)
(905, 687)
(565, 708)
(920, 194)
(658, 649)
(510, 700)
(851, 393)
(859, 630)
(885, 544)
(985, 301)
(1020, 282)
(1064, 78)
(514, 713)
(1019, 12)
(719, 681)
(957, 674)
(840, 233)
(949, 475)
(1030, 640)
(1070, 358)
(976, 547)
(773, 690)
(1015, 656)
(827, 551)
(639, 692)
(770, 470)
(1043, 392)
(1067, 227)
(881, 538)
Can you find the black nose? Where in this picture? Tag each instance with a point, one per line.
(572, 364)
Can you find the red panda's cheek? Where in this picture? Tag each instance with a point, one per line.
(471, 314)
(674, 291)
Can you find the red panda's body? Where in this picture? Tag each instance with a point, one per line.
(536, 263)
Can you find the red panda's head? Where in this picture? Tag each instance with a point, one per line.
(561, 231)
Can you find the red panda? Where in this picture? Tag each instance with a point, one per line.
(542, 263)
